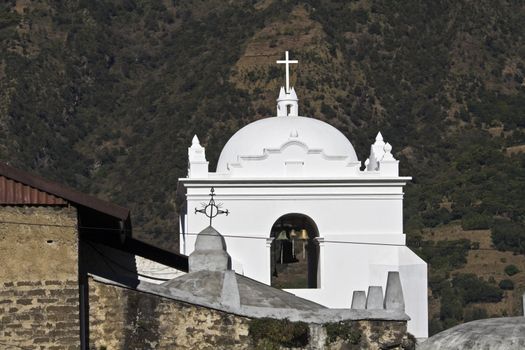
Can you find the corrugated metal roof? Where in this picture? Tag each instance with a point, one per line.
(16, 193)
(18, 187)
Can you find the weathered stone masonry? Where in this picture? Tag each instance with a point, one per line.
(38, 280)
(121, 318)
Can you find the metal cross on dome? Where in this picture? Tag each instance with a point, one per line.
(287, 62)
(211, 209)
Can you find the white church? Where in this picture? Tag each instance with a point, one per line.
(303, 215)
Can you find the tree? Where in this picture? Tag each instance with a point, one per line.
(506, 284)
(511, 270)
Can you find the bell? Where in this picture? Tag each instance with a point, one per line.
(282, 236)
(293, 236)
(303, 235)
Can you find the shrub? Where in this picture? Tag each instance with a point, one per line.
(409, 343)
(434, 326)
(475, 290)
(450, 322)
(506, 284)
(475, 314)
(346, 331)
(328, 111)
(9, 18)
(475, 221)
(438, 281)
(374, 28)
(274, 333)
(445, 254)
(508, 235)
(511, 270)
(451, 307)
(435, 217)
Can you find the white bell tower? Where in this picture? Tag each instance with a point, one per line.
(303, 214)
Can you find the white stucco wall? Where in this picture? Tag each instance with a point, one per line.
(360, 233)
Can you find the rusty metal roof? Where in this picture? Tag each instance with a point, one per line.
(14, 192)
(18, 187)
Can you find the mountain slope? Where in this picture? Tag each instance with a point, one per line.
(105, 96)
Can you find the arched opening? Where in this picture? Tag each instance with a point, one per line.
(288, 109)
(294, 252)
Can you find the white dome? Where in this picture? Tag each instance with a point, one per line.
(273, 132)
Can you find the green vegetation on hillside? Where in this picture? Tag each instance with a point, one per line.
(105, 96)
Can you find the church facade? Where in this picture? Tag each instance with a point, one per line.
(303, 214)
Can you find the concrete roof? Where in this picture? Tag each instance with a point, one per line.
(320, 315)
(211, 278)
(493, 333)
(209, 286)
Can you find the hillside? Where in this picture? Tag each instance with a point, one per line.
(469, 278)
(105, 97)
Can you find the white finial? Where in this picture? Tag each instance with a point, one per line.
(195, 141)
(388, 152)
(388, 165)
(197, 165)
(293, 94)
(282, 94)
(379, 137)
(287, 63)
(294, 133)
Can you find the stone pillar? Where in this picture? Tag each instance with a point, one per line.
(269, 260)
(374, 299)
(321, 262)
(359, 300)
(394, 293)
(317, 336)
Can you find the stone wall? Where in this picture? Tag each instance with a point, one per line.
(370, 334)
(39, 304)
(122, 318)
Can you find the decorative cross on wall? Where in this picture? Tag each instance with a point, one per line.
(211, 209)
(287, 62)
